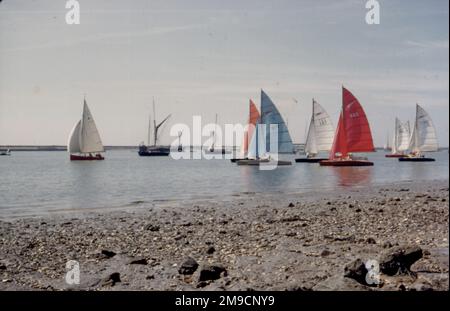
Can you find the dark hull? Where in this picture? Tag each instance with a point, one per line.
(154, 153)
(411, 159)
(238, 159)
(346, 163)
(310, 160)
(395, 155)
(263, 162)
(74, 157)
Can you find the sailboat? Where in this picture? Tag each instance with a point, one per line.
(320, 135)
(387, 145)
(154, 150)
(400, 139)
(5, 152)
(84, 139)
(352, 135)
(260, 145)
(423, 138)
(250, 131)
(213, 149)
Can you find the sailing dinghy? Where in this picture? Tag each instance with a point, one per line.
(352, 135)
(320, 135)
(249, 132)
(423, 138)
(400, 139)
(5, 152)
(84, 140)
(259, 151)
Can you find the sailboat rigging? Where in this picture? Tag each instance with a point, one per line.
(320, 135)
(84, 139)
(154, 149)
(353, 134)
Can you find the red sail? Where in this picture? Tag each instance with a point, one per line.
(353, 132)
(253, 118)
(339, 147)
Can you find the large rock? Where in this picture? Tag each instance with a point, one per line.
(357, 271)
(398, 260)
(189, 266)
(111, 279)
(211, 272)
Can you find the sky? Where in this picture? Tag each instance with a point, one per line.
(208, 57)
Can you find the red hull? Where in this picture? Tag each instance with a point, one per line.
(74, 157)
(395, 155)
(345, 163)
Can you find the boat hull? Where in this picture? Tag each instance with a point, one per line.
(310, 160)
(412, 159)
(395, 155)
(345, 163)
(76, 157)
(263, 162)
(153, 151)
(238, 159)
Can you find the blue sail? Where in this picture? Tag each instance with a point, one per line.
(271, 115)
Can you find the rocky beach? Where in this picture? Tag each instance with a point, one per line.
(250, 241)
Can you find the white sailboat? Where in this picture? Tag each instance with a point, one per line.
(260, 147)
(84, 139)
(400, 139)
(320, 135)
(423, 138)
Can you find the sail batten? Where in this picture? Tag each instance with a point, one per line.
(353, 132)
(424, 138)
(271, 116)
(320, 133)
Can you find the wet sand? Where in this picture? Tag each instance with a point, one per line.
(250, 242)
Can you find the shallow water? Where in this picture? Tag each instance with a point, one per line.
(36, 183)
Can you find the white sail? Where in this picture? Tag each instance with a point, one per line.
(403, 136)
(73, 145)
(321, 132)
(424, 133)
(90, 140)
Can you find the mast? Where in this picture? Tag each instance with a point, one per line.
(155, 131)
(149, 129)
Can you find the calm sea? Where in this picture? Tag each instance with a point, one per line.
(38, 183)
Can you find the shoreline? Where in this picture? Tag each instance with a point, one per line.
(276, 241)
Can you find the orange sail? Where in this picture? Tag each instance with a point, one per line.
(353, 131)
(252, 120)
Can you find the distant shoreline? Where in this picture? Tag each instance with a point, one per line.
(135, 147)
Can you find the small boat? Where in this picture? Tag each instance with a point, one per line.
(180, 146)
(423, 138)
(400, 139)
(154, 150)
(85, 143)
(213, 149)
(353, 135)
(320, 135)
(259, 151)
(250, 130)
(5, 152)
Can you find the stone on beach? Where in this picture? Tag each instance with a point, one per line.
(398, 260)
(188, 267)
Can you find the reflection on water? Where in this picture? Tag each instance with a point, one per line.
(353, 176)
(34, 183)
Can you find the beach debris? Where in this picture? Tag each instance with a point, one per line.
(398, 260)
(211, 272)
(111, 279)
(210, 250)
(107, 254)
(291, 204)
(189, 266)
(151, 227)
(357, 271)
(140, 261)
